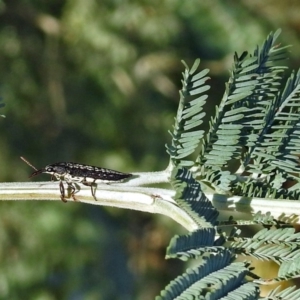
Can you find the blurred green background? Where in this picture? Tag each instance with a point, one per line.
(97, 82)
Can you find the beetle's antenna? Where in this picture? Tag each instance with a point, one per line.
(28, 163)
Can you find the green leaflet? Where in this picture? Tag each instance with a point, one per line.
(279, 245)
(191, 199)
(194, 244)
(288, 293)
(196, 283)
(186, 281)
(186, 134)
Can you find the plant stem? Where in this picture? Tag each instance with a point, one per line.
(151, 200)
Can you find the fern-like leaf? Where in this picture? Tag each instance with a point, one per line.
(191, 199)
(289, 269)
(192, 245)
(279, 142)
(279, 245)
(247, 291)
(183, 282)
(185, 135)
(218, 284)
(289, 293)
(240, 117)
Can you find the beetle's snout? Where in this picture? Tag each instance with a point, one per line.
(37, 173)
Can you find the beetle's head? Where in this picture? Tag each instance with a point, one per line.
(57, 168)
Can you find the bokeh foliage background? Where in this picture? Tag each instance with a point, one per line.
(97, 82)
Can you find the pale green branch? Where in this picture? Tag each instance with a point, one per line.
(151, 200)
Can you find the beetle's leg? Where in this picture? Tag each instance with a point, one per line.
(93, 186)
(62, 192)
(73, 188)
(93, 190)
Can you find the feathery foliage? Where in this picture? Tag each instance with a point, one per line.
(257, 125)
(185, 137)
(279, 245)
(185, 282)
(249, 291)
(191, 199)
(213, 279)
(192, 245)
(289, 293)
